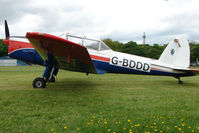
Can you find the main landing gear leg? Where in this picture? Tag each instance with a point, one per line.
(41, 82)
(53, 75)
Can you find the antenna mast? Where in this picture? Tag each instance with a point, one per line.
(144, 38)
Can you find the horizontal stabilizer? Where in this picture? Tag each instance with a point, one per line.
(195, 71)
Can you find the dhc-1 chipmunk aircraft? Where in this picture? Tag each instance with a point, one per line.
(87, 55)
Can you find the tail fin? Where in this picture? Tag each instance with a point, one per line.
(177, 53)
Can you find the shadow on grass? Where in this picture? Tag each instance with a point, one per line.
(89, 84)
(73, 84)
(186, 83)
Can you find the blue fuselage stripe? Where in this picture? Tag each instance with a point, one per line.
(106, 66)
(27, 55)
(31, 55)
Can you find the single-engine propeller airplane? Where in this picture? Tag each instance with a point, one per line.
(87, 55)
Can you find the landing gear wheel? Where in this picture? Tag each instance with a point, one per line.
(39, 83)
(52, 79)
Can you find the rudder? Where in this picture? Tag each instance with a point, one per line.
(177, 53)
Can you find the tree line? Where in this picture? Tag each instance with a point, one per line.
(3, 49)
(151, 51)
(146, 50)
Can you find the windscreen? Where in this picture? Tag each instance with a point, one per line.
(104, 46)
(77, 40)
(91, 44)
(88, 43)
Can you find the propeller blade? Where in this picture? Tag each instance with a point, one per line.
(7, 30)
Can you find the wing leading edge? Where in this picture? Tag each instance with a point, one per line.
(66, 54)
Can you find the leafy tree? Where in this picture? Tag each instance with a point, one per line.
(194, 51)
(115, 45)
(146, 50)
(3, 48)
(131, 47)
(155, 51)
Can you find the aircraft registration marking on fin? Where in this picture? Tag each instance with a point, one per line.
(130, 63)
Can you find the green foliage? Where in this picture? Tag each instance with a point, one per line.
(115, 45)
(194, 51)
(108, 103)
(131, 47)
(3, 48)
(146, 50)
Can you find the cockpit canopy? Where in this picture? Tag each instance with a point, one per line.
(88, 43)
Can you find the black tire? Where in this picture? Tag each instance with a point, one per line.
(39, 83)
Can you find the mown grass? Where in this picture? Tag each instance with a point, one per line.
(97, 103)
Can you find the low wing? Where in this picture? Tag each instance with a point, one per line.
(67, 55)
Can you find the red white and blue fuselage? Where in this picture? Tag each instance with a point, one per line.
(93, 56)
(87, 55)
(117, 62)
(105, 61)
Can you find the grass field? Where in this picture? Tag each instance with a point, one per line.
(112, 103)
